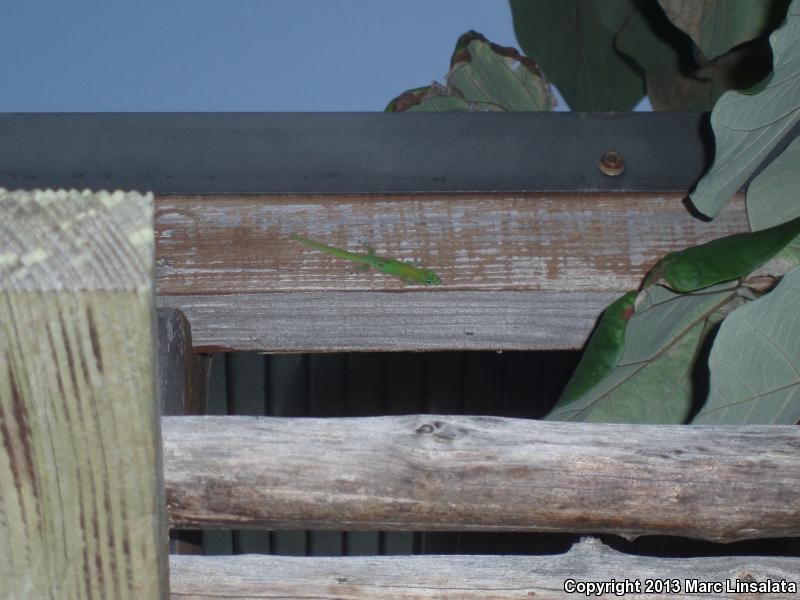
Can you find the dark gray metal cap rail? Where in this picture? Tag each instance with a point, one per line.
(351, 152)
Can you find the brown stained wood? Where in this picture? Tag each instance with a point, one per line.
(520, 271)
(423, 472)
(82, 507)
(386, 321)
(598, 242)
(466, 577)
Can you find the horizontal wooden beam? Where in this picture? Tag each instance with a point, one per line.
(230, 244)
(474, 577)
(520, 271)
(423, 472)
(378, 321)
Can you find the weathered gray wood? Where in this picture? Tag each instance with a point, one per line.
(182, 390)
(81, 496)
(553, 262)
(240, 244)
(422, 472)
(218, 541)
(182, 374)
(387, 321)
(467, 577)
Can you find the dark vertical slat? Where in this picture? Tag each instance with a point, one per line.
(444, 394)
(182, 374)
(483, 383)
(182, 388)
(287, 396)
(521, 372)
(405, 392)
(246, 385)
(366, 373)
(216, 542)
(555, 369)
(327, 397)
(287, 385)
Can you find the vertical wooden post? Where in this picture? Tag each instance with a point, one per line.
(182, 374)
(82, 513)
(182, 390)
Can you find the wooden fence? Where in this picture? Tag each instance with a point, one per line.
(91, 479)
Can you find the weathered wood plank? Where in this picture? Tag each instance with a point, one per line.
(552, 261)
(82, 507)
(386, 321)
(423, 472)
(547, 242)
(468, 577)
(182, 374)
(182, 390)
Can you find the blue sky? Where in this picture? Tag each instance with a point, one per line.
(233, 55)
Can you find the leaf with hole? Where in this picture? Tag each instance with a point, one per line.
(483, 77)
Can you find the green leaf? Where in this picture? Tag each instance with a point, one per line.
(666, 56)
(483, 77)
(716, 26)
(723, 259)
(773, 197)
(748, 126)
(490, 78)
(575, 48)
(755, 361)
(652, 382)
(675, 79)
(603, 350)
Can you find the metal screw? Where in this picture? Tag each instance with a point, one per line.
(612, 164)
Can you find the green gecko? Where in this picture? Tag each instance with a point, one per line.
(405, 271)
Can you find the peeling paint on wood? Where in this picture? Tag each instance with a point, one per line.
(545, 242)
(521, 271)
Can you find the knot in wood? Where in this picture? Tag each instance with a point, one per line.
(441, 430)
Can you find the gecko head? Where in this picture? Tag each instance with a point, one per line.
(431, 278)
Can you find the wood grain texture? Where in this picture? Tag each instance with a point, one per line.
(423, 472)
(229, 263)
(390, 321)
(547, 242)
(182, 374)
(253, 577)
(182, 390)
(82, 507)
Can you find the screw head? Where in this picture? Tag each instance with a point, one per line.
(612, 164)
